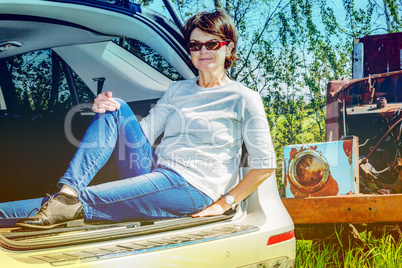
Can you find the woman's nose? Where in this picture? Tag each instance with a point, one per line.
(203, 49)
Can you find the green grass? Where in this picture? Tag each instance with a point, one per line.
(372, 252)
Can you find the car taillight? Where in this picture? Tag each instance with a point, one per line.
(280, 238)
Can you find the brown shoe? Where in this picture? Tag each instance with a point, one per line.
(55, 213)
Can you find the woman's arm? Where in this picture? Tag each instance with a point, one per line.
(246, 186)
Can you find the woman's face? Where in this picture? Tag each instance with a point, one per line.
(208, 60)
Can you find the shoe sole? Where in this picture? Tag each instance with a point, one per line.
(74, 223)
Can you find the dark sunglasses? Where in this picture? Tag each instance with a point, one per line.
(210, 45)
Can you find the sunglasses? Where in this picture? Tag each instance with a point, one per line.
(210, 45)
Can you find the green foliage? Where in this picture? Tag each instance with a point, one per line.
(394, 16)
(358, 20)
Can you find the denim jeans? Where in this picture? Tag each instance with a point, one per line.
(145, 190)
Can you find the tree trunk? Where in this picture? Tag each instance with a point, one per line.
(387, 16)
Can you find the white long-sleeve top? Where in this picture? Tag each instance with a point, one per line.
(204, 129)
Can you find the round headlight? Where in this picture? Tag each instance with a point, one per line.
(308, 171)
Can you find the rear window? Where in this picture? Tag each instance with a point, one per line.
(150, 56)
(40, 83)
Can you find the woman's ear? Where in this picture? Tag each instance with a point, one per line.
(229, 48)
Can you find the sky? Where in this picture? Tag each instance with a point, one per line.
(158, 6)
(258, 15)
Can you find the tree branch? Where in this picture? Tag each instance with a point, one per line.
(269, 18)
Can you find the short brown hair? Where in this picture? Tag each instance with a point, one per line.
(217, 23)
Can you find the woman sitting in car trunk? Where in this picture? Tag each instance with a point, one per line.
(194, 170)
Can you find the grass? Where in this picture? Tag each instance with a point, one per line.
(371, 252)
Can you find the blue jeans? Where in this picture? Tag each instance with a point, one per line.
(145, 190)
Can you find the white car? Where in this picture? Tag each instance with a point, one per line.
(55, 56)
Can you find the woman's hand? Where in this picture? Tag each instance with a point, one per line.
(244, 188)
(104, 102)
(215, 209)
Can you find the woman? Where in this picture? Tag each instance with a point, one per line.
(194, 170)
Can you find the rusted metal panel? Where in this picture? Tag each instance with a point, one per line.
(382, 53)
(345, 209)
(332, 118)
(335, 87)
(312, 171)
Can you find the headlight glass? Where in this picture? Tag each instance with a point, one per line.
(308, 170)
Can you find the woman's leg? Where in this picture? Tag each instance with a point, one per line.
(160, 194)
(119, 131)
(11, 212)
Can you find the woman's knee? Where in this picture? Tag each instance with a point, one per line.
(125, 109)
(121, 101)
